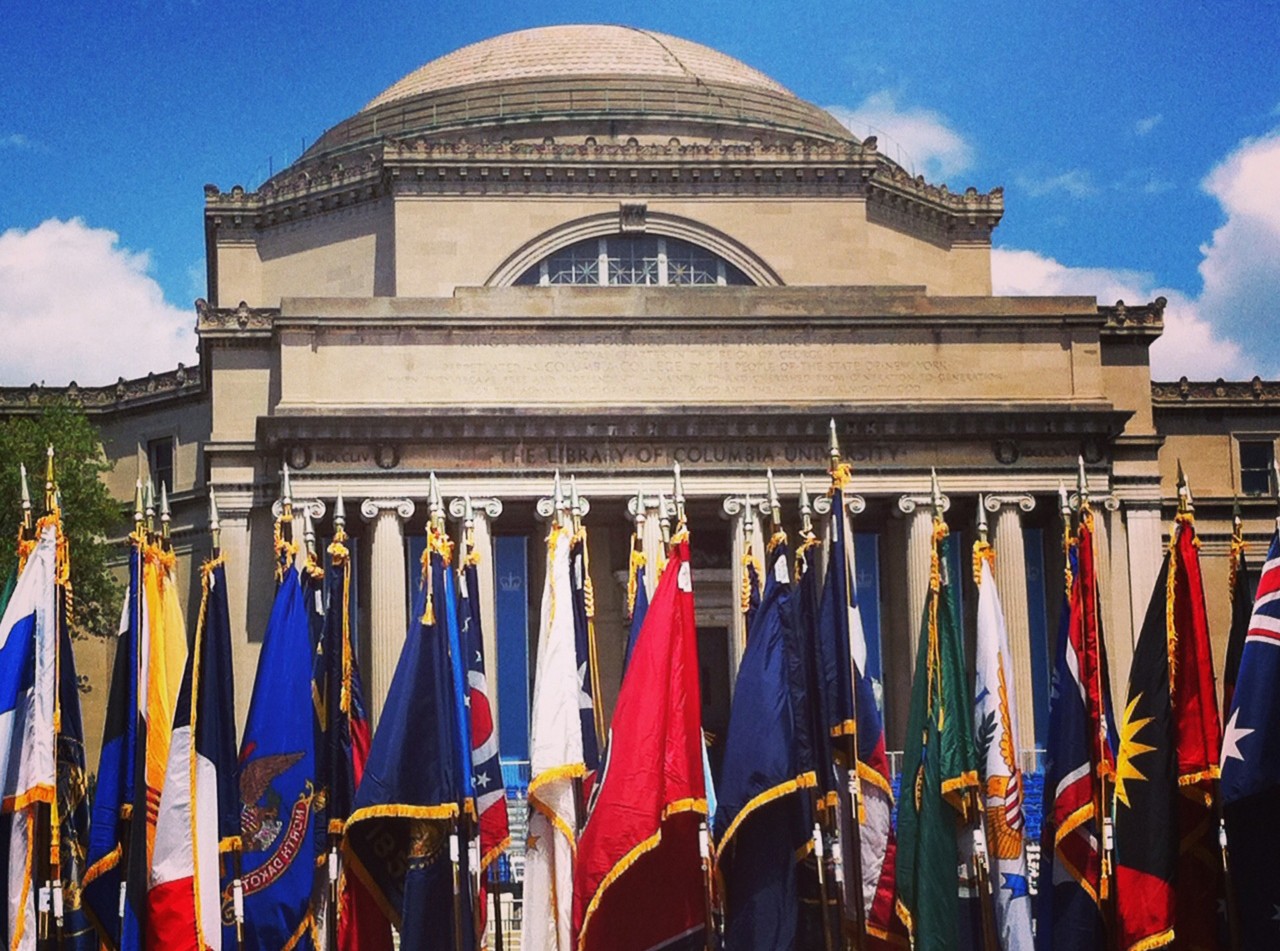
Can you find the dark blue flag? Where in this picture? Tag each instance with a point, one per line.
(278, 778)
(639, 608)
(1251, 768)
(584, 647)
(760, 819)
(122, 743)
(403, 836)
(73, 806)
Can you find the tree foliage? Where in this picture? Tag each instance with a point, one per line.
(89, 515)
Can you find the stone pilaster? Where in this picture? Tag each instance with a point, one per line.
(919, 555)
(388, 593)
(743, 513)
(1011, 582)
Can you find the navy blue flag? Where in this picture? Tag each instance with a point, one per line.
(123, 743)
(278, 780)
(73, 804)
(216, 710)
(638, 609)
(583, 648)
(1251, 768)
(760, 820)
(410, 801)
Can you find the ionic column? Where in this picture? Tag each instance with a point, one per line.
(246, 637)
(388, 593)
(919, 510)
(1011, 582)
(483, 511)
(655, 507)
(1146, 544)
(744, 514)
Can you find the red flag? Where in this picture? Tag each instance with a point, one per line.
(639, 881)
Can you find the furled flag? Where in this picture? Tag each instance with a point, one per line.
(761, 822)
(752, 582)
(29, 639)
(939, 772)
(1241, 590)
(1168, 863)
(123, 741)
(1251, 769)
(856, 730)
(996, 729)
(639, 880)
(403, 836)
(637, 598)
(278, 775)
(200, 802)
(555, 762)
(1080, 760)
(491, 794)
(585, 644)
(344, 748)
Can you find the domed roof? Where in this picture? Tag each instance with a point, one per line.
(577, 50)
(571, 82)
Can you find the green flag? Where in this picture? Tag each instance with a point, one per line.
(939, 767)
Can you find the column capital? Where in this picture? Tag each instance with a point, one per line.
(735, 505)
(1109, 502)
(489, 507)
(370, 509)
(315, 507)
(995, 502)
(907, 504)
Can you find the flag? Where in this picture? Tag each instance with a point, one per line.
(856, 730)
(939, 768)
(29, 641)
(403, 836)
(1251, 768)
(278, 777)
(491, 794)
(1168, 864)
(123, 741)
(1079, 759)
(996, 728)
(585, 646)
(752, 582)
(1241, 590)
(760, 822)
(639, 880)
(556, 761)
(343, 750)
(637, 601)
(199, 805)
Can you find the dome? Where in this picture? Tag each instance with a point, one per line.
(569, 82)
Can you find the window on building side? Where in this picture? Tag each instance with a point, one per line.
(160, 460)
(1256, 460)
(625, 260)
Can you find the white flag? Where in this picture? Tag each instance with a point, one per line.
(555, 740)
(995, 728)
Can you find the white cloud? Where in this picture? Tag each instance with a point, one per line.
(1076, 182)
(1190, 344)
(76, 305)
(921, 140)
(1144, 125)
(16, 140)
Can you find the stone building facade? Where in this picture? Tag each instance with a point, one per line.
(600, 250)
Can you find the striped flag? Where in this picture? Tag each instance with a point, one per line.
(199, 805)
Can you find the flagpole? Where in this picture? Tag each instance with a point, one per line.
(839, 474)
(1237, 554)
(981, 856)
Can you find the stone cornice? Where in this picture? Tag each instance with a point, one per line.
(1199, 394)
(240, 321)
(433, 168)
(183, 383)
(1142, 320)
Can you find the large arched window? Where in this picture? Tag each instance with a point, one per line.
(620, 259)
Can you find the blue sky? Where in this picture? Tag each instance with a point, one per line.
(1136, 142)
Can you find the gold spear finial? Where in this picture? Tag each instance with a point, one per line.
(165, 514)
(557, 499)
(340, 516)
(137, 504)
(286, 492)
(1082, 483)
(575, 504)
(50, 484)
(149, 506)
(833, 445)
(982, 519)
(1064, 503)
(26, 498)
(935, 492)
(678, 495)
(308, 533)
(435, 506)
(215, 526)
(806, 508)
(640, 517)
(664, 520)
(1186, 505)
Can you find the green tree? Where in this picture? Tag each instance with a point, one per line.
(89, 515)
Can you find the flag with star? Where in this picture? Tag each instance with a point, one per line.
(584, 637)
(1168, 863)
(1251, 768)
